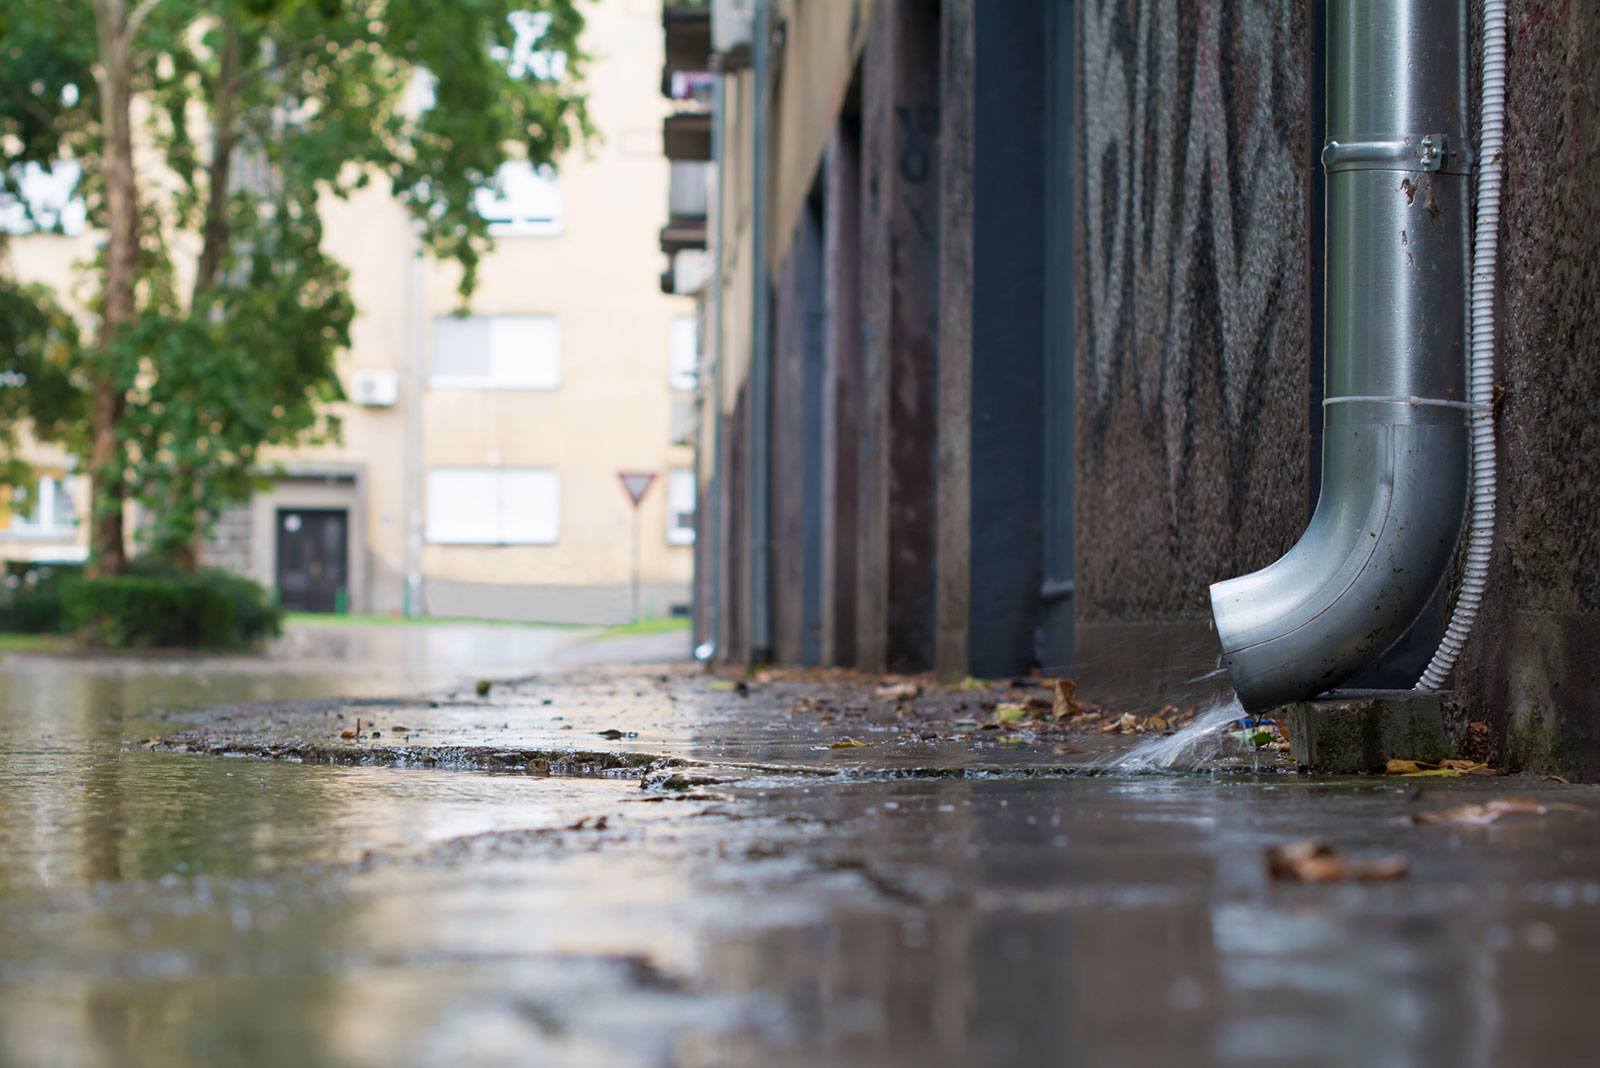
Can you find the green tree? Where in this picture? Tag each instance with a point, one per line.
(222, 126)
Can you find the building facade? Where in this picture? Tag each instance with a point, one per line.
(479, 468)
(1015, 345)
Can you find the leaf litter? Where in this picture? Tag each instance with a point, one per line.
(1313, 860)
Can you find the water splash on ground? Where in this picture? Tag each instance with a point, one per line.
(1189, 749)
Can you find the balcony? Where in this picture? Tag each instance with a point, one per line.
(688, 31)
(687, 136)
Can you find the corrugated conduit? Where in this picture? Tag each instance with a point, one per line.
(1480, 368)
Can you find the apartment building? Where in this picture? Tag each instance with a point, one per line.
(481, 466)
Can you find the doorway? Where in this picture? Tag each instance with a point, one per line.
(312, 559)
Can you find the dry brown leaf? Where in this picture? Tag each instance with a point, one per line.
(1451, 767)
(1063, 699)
(900, 691)
(849, 743)
(1475, 814)
(1126, 724)
(1315, 861)
(1156, 722)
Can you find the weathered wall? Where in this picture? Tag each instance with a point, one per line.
(1532, 672)
(1193, 379)
(899, 336)
(821, 42)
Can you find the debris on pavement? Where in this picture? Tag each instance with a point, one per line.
(899, 691)
(1313, 860)
(1478, 814)
(1444, 769)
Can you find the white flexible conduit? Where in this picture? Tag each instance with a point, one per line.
(1480, 368)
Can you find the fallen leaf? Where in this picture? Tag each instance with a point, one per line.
(1443, 769)
(1063, 700)
(971, 683)
(1553, 777)
(722, 684)
(1009, 713)
(613, 734)
(1314, 861)
(849, 743)
(900, 691)
(352, 732)
(1127, 724)
(1156, 722)
(483, 687)
(1475, 814)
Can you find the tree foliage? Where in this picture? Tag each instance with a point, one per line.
(250, 115)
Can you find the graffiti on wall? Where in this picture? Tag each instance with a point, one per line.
(1193, 149)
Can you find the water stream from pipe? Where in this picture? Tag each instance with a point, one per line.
(1190, 749)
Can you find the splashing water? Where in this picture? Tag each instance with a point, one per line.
(1189, 749)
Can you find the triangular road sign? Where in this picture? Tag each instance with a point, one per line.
(637, 483)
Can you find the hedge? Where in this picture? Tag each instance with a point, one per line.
(30, 598)
(207, 610)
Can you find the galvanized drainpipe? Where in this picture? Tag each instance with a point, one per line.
(758, 569)
(711, 555)
(1394, 460)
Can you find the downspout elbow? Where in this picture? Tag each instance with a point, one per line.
(1378, 545)
(1394, 460)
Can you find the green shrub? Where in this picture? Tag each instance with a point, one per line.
(207, 610)
(30, 597)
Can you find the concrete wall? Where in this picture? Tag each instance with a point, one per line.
(1193, 375)
(1193, 344)
(1531, 672)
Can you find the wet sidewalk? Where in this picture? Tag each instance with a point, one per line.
(656, 866)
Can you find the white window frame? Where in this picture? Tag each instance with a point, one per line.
(525, 201)
(443, 530)
(48, 492)
(677, 479)
(683, 352)
(492, 380)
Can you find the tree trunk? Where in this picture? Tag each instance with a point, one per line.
(118, 310)
(225, 136)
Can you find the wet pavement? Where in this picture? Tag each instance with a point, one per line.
(724, 886)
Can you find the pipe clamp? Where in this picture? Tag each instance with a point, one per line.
(1431, 153)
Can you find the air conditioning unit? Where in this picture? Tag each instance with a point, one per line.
(733, 24)
(375, 389)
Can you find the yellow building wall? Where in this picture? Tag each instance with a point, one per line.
(598, 275)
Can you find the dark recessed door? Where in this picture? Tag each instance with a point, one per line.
(313, 547)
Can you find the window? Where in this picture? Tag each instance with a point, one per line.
(496, 352)
(680, 506)
(44, 510)
(525, 201)
(493, 506)
(685, 352)
(44, 200)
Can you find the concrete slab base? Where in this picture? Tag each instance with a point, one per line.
(1354, 731)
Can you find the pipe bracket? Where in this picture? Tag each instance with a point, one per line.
(1431, 153)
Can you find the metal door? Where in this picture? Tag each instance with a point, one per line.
(313, 553)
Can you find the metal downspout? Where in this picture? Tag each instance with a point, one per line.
(710, 387)
(758, 616)
(1394, 457)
